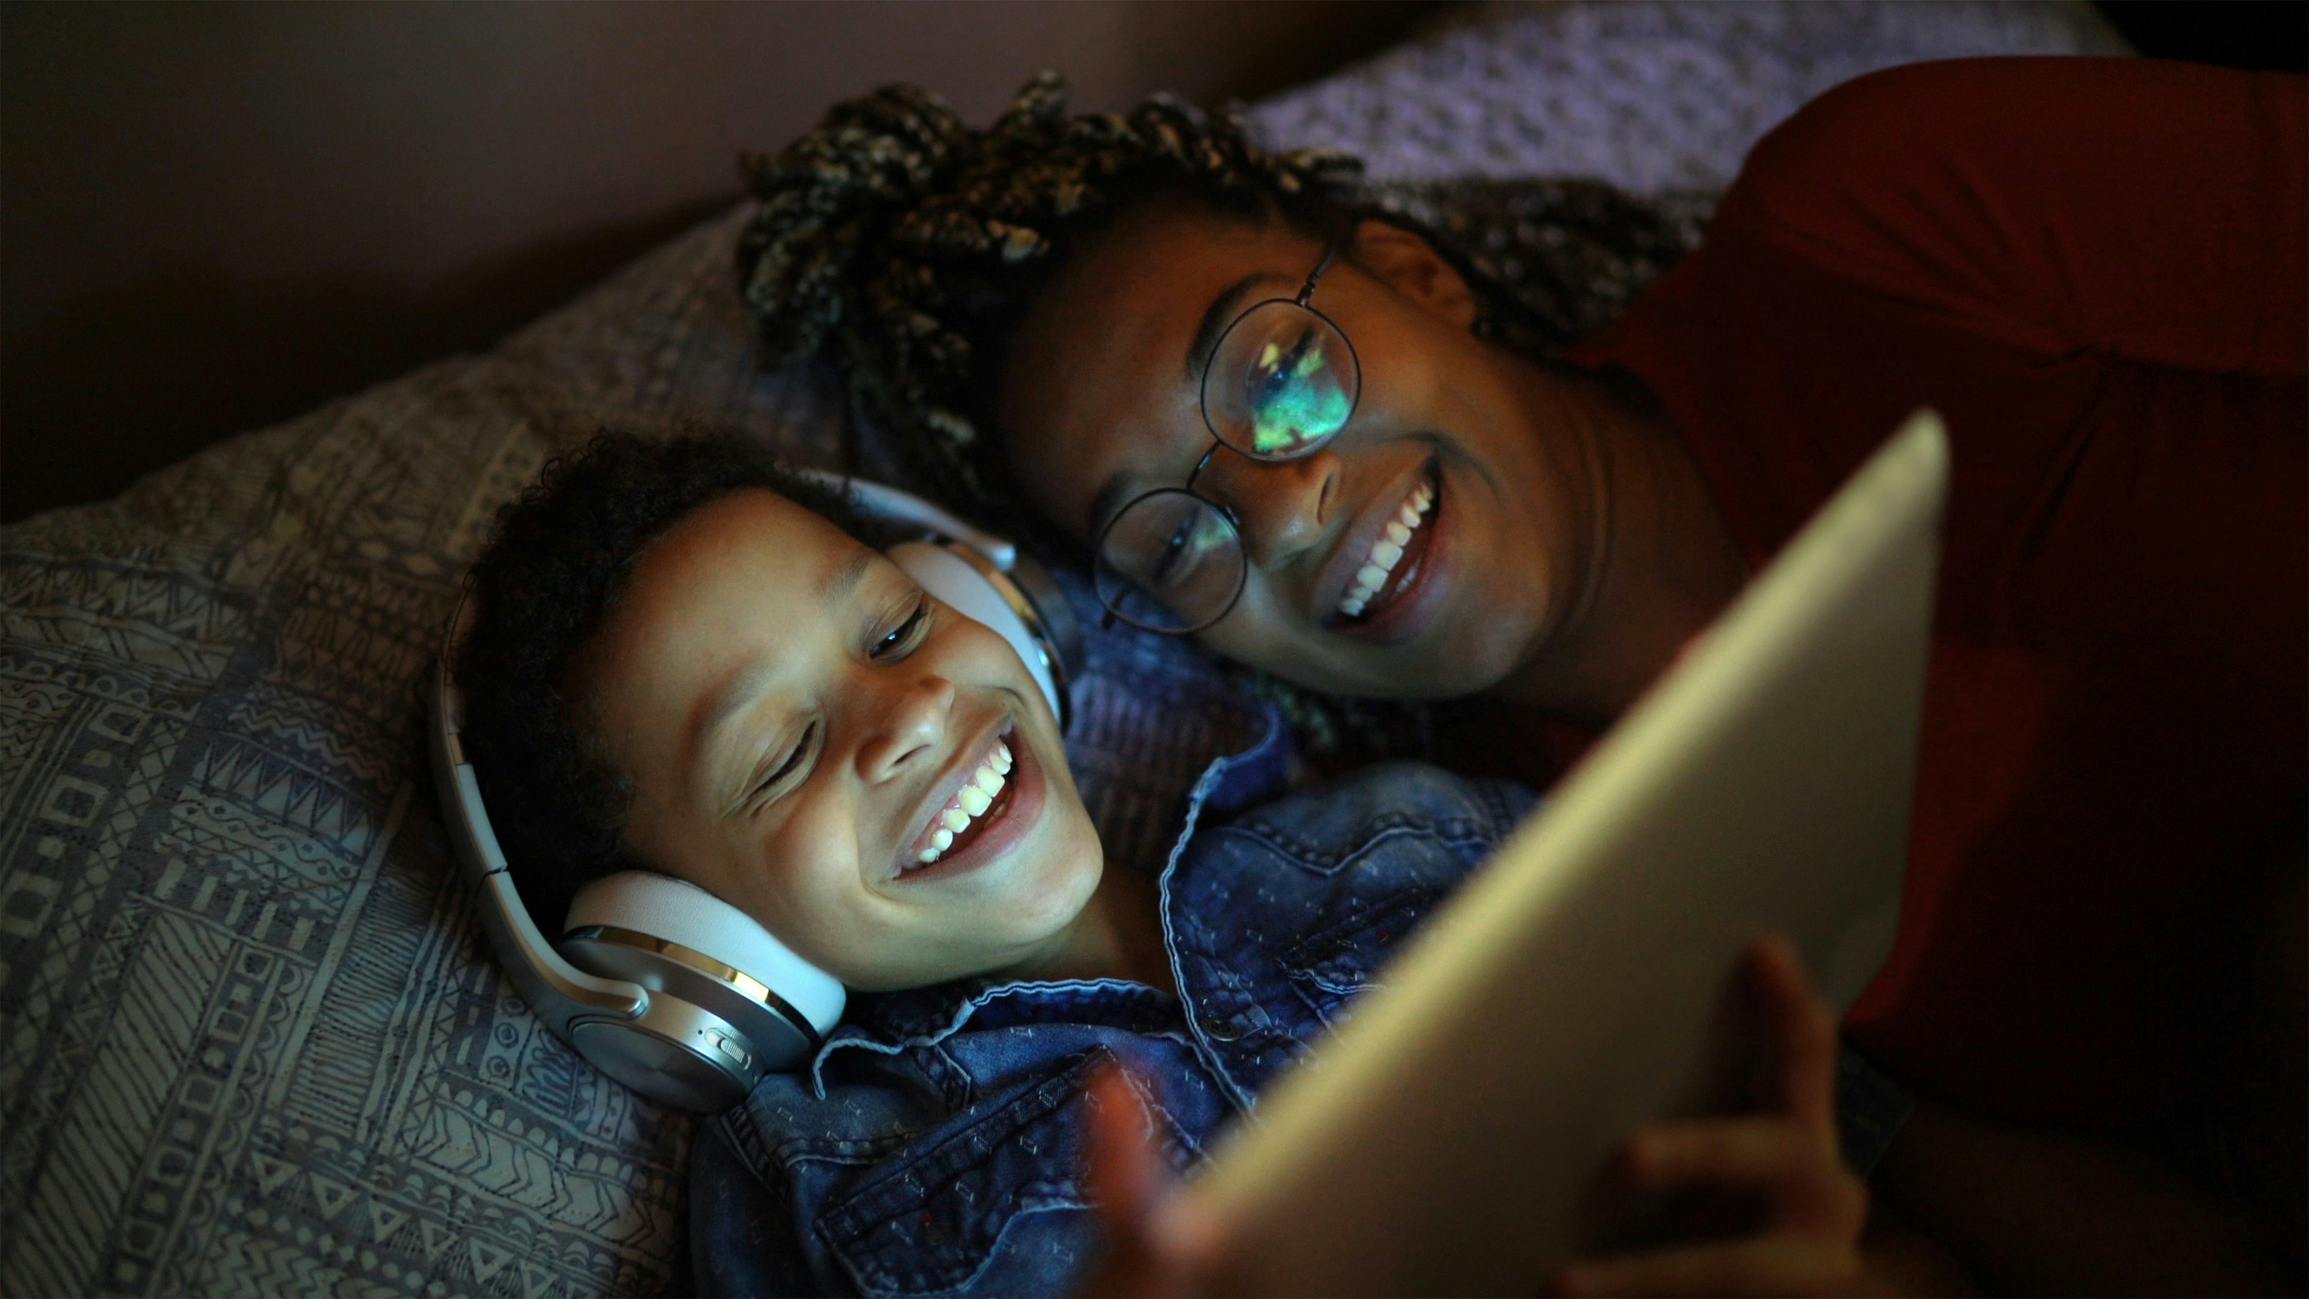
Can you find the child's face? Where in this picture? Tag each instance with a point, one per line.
(797, 720)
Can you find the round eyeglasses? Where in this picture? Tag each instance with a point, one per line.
(1281, 381)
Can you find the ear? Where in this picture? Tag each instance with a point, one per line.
(1408, 264)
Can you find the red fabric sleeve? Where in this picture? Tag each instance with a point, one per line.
(2153, 211)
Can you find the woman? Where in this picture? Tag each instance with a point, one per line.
(679, 667)
(1371, 484)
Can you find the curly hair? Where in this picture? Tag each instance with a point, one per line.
(910, 245)
(907, 247)
(552, 574)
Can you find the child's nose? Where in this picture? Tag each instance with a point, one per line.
(908, 721)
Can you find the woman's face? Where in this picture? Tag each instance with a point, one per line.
(1101, 401)
(801, 726)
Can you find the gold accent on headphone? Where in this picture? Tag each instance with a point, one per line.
(684, 956)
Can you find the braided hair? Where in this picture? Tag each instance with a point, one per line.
(905, 246)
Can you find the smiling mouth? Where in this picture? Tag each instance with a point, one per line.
(1393, 564)
(983, 799)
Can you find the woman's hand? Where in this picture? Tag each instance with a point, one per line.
(1756, 1204)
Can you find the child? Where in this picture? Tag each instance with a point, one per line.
(684, 662)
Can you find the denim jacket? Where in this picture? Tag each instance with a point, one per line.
(935, 1146)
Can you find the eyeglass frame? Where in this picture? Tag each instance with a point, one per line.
(1303, 301)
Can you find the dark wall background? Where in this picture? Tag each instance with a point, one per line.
(2267, 35)
(217, 216)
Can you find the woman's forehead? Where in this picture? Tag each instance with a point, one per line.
(1102, 364)
(1165, 248)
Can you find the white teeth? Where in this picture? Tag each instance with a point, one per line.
(1388, 550)
(970, 802)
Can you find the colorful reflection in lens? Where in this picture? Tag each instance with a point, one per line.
(1296, 399)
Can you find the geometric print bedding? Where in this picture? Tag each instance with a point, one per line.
(245, 1043)
(250, 1038)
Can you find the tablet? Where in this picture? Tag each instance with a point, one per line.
(1569, 992)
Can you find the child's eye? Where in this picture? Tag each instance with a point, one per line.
(786, 768)
(793, 759)
(902, 637)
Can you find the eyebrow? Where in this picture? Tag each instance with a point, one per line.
(746, 685)
(1220, 314)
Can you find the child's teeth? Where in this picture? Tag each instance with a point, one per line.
(970, 802)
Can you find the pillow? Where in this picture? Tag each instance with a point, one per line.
(251, 1039)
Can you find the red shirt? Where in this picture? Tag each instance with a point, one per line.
(2095, 270)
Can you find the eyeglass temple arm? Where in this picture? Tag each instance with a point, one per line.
(1307, 290)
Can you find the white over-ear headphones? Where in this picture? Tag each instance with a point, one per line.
(663, 986)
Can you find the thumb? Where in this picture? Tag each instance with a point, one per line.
(1125, 1175)
(1797, 1050)
(1158, 1242)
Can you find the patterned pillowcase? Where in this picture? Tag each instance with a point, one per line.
(250, 1038)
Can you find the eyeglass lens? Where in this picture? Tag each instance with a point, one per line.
(1170, 561)
(1281, 381)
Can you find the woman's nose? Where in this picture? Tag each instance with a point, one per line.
(1281, 507)
(907, 722)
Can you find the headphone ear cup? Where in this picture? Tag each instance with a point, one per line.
(675, 938)
(967, 583)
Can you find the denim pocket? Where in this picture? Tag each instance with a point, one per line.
(991, 1202)
(1341, 961)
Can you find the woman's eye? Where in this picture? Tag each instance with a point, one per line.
(1178, 553)
(1294, 398)
(901, 636)
(1278, 367)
